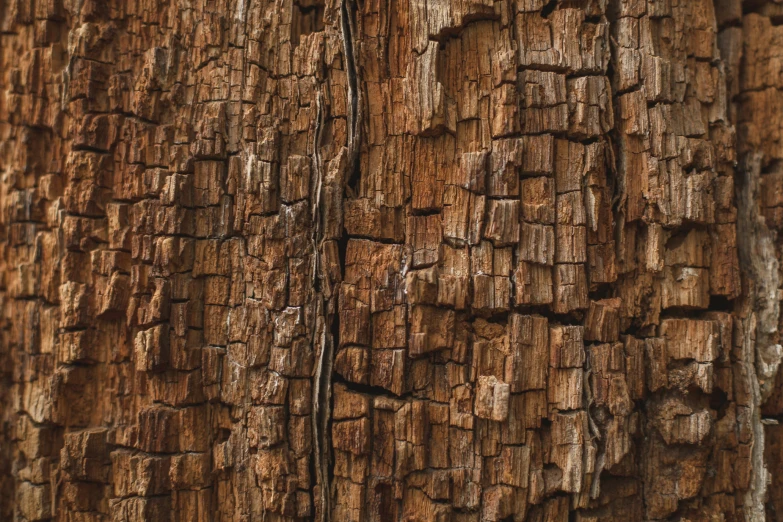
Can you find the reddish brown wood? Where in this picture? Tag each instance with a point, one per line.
(411, 260)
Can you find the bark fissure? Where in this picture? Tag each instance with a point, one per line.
(322, 344)
(465, 261)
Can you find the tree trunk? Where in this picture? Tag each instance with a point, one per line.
(390, 260)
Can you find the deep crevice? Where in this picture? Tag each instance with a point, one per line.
(548, 8)
(307, 17)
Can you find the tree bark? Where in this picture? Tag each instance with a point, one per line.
(391, 260)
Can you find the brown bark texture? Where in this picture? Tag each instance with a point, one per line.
(391, 260)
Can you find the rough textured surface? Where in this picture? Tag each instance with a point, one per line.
(391, 260)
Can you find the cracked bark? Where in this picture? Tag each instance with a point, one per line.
(348, 260)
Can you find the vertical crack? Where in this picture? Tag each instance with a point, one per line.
(326, 331)
(320, 342)
(354, 106)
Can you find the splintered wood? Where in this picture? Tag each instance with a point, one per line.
(390, 260)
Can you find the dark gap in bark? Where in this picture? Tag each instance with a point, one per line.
(573, 318)
(752, 6)
(386, 500)
(367, 389)
(352, 183)
(721, 303)
(548, 8)
(683, 312)
(719, 402)
(602, 291)
(342, 249)
(307, 17)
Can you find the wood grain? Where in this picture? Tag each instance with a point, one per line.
(372, 260)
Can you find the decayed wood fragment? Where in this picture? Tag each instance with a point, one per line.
(469, 261)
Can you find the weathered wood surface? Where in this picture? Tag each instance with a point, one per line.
(390, 260)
